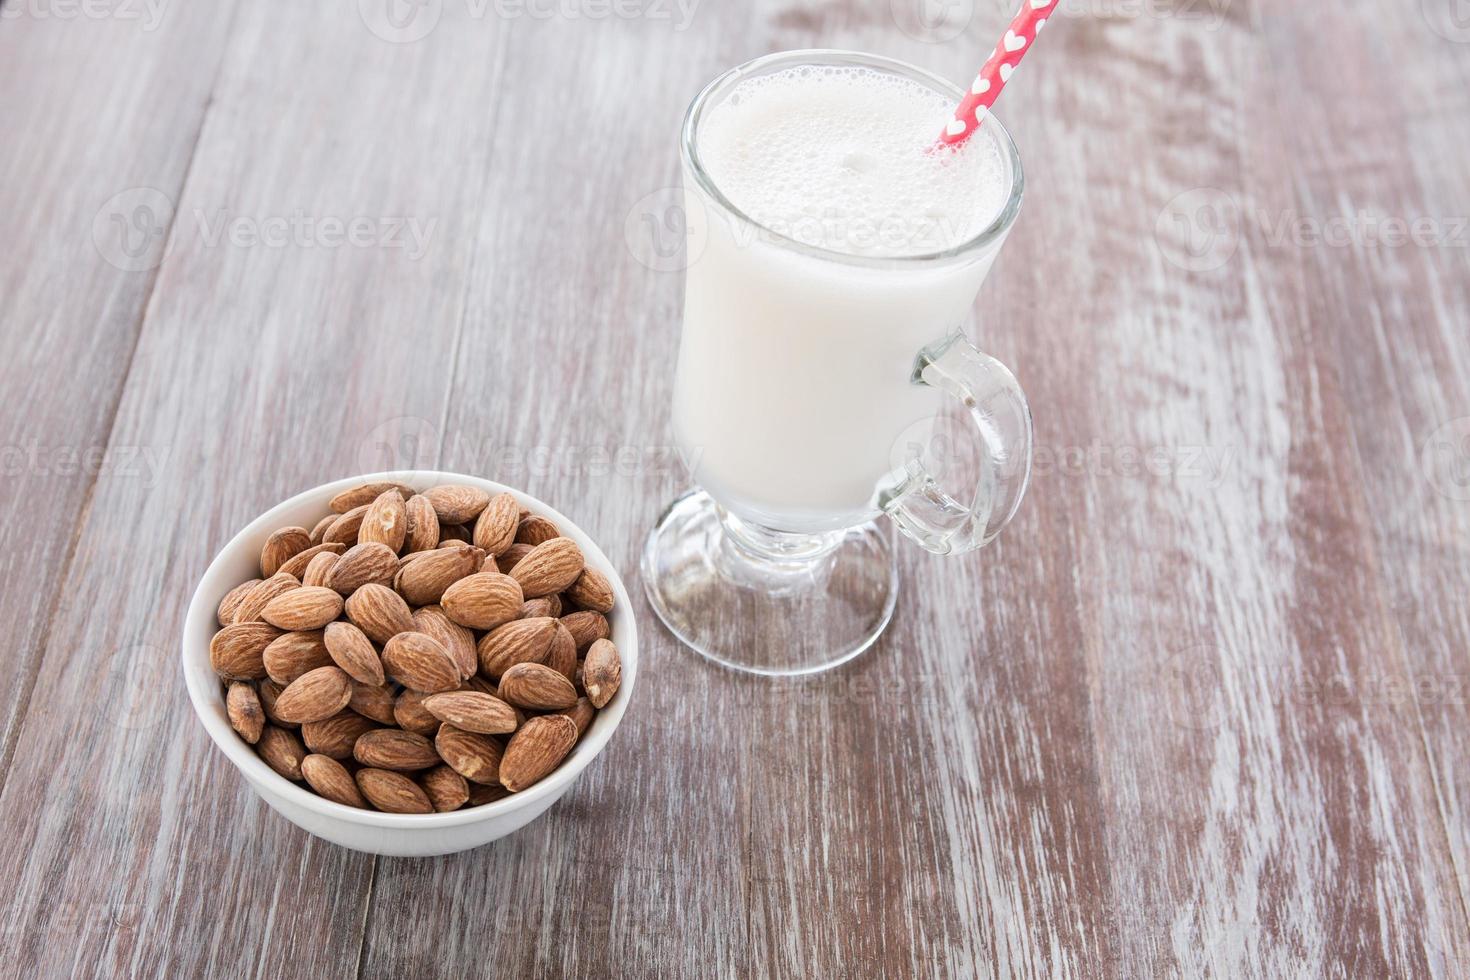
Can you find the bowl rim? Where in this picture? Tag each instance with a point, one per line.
(201, 619)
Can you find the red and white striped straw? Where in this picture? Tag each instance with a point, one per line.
(1009, 50)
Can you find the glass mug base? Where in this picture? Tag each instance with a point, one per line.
(766, 602)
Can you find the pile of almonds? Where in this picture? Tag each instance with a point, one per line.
(417, 652)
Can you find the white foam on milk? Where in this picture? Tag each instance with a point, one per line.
(846, 159)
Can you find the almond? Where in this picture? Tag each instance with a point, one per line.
(480, 794)
(537, 687)
(602, 672)
(379, 612)
(457, 504)
(561, 656)
(350, 649)
(309, 607)
(547, 605)
(446, 789)
(392, 792)
(536, 749)
(300, 562)
(535, 529)
(455, 534)
(423, 525)
(420, 662)
(247, 717)
(321, 528)
(373, 702)
(473, 712)
(363, 495)
(519, 641)
(363, 564)
(331, 780)
(335, 736)
(344, 529)
(283, 544)
(411, 715)
(319, 569)
(225, 614)
(550, 567)
(513, 555)
(315, 695)
(495, 529)
(482, 601)
(248, 611)
(292, 654)
(592, 590)
(585, 626)
(386, 521)
(423, 581)
(475, 757)
(581, 714)
(458, 640)
(389, 748)
(269, 690)
(237, 652)
(282, 751)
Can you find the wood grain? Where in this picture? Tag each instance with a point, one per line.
(1200, 711)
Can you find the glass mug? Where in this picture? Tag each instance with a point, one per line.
(807, 381)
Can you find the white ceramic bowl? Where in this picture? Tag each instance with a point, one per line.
(368, 830)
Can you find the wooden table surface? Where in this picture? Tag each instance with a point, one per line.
(1201, 710)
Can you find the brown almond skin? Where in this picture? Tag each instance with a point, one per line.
(535, 529)
(306, 608)
(420, 662)
(292, 654)
(386, 521)
(269, 690)
(361, 496)
(299, 563)
(283, 544)
(349, 648)
(282, 751)
(423, 581)
(537, 687)
(475, 757)
(536, 749)
(456, 503)
(237, 652)
(423, 526)
(411, 714)
(373, 702)
(335, 737)
(321, 528)
(481, 794)
(602, 672)
(473, 711)
(483, 601)
(586, 625)
(319, 569)
(495, 528)
(255, 600)
(446, 789)
(379, 612)
(519, 641)
(371, 561)
(513, 556)
(225, 614)
(457, 639)
(561, 656)
(332, 781)
(581, 714)
(315, 695)
(247, 717)
(592, 590)
(390, 748)
(547, 605)
(392, 792)
(549, 568)
(344, 529)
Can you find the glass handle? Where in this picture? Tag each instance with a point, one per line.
(920, 507)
